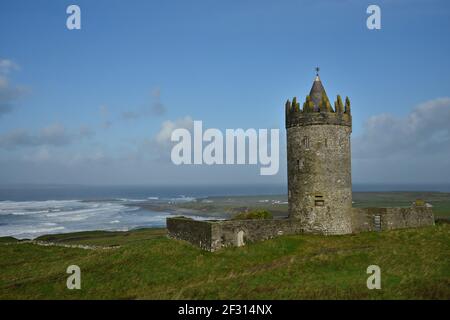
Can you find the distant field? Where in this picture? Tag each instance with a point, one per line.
(277, 204)
(414, 265)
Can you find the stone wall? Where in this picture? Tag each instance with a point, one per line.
(196, 232)
(226, 233)
(295, 119)
(212, 235)
(364, 219)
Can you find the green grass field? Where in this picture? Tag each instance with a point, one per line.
(414, 264)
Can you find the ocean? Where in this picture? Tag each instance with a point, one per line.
(28, 211)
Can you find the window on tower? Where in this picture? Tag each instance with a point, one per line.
(306, 142)
(300, 164)
(318, 200)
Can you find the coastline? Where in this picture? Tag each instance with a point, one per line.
(224, 207)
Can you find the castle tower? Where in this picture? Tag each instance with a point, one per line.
(319, 162)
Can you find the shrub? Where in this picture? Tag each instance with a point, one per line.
(254, 214)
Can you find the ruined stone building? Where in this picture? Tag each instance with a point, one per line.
(319, 185)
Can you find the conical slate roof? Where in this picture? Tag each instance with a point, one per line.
(317, 92)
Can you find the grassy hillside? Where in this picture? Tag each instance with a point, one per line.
(147, 265)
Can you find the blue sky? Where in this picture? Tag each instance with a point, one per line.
(87, 106)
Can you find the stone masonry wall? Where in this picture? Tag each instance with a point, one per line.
(320, 170)
(363, 219)
(196, 232)
(225, 233)
(212, 235)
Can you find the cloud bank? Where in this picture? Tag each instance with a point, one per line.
(52, 135)
(414, 148)
(154, 108)
(425, 130)
(9, 93)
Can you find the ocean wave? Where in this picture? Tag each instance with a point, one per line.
(131, 200)
(34, 207)
(21, 232)
(60, 208)
(30, 219)
(182, 198)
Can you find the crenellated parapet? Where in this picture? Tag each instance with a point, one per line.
(338, 105)
(324, 113)
(324, 106)
(317, 102)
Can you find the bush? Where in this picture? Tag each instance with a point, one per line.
(254, 214)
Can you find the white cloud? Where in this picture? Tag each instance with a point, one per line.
(6, 66)
(158, 147)
(157, 108)
(9, 94)
(154, 108)
(425, 129)
(104, 115)
(410, 149)
(54, 135)
(40, 155)
(162, 138)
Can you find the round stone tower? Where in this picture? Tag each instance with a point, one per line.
(319, 162)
